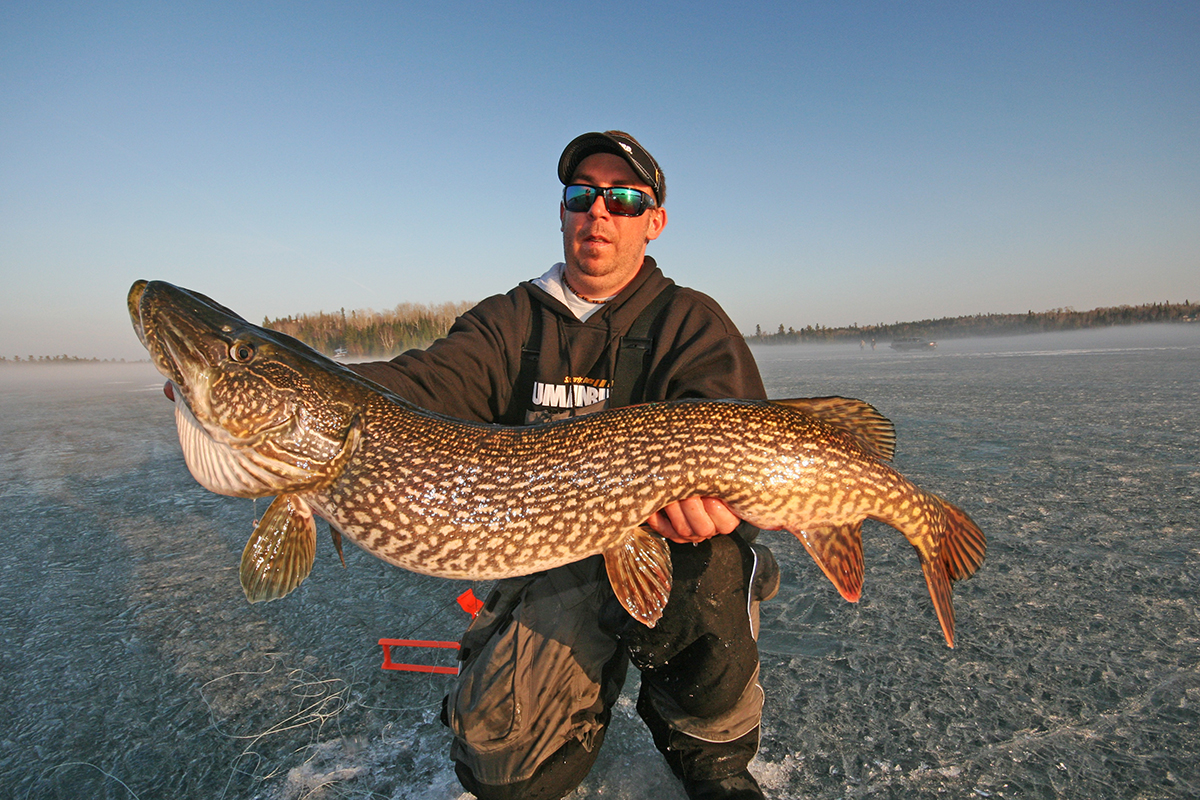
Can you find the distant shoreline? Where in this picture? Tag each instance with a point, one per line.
(349, 336)
(33, 361)
(1059, 319)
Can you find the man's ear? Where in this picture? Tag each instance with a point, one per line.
(658, 221)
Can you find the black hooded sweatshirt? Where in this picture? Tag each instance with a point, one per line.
(473, 372)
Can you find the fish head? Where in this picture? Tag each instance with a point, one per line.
(259, 413)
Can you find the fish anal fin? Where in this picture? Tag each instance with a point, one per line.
(639, 569)
(279, 555)
(837, 549)
(938, 581)
(873, 431)
(964, 546)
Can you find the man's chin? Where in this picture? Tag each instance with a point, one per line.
(593, 266)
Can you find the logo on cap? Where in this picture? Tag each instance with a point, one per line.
(626, 148)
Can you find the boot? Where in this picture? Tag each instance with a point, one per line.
(740, 786)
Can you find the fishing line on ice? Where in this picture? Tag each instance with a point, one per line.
(66, 764)
(321, 701)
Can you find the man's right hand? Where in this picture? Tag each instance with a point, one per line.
(693, 519)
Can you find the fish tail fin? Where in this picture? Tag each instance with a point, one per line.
(837, 549)
(938, 581)
(960, 553)
(280, 553)
(964, 545)
(639, 569)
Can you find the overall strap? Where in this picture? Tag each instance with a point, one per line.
(527, 376)
(633, 354)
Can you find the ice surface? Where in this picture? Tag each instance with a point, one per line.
(133, 666)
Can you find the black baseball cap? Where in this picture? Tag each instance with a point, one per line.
(620, 144)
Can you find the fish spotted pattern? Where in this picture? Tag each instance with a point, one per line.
(261, 414)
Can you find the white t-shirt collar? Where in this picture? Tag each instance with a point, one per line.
(554, 284)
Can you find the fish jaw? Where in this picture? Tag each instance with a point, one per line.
(241, 469)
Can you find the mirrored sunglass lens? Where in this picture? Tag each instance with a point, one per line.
(579, 198)
(624, 201)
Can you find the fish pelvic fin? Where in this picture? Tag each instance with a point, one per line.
(964, 545)
(639, 569)
(837, 549)
(279, 555)
(872, 430)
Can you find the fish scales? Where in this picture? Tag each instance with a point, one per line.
(261, 414)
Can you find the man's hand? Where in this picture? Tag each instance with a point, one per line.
(693, 520)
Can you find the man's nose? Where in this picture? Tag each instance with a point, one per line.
(599, 207)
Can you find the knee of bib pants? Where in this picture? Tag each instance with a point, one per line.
(555, 778)
(703, 679)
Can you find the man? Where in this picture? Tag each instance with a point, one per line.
(545, 660)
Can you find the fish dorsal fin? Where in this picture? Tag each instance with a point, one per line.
(861, 420)
(280, 552)
(837, 549)
(639, 569)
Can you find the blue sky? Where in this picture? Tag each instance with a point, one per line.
(827, 163)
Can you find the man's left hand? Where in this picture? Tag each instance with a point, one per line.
(693, 519)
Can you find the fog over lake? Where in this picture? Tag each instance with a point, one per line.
(134, 667)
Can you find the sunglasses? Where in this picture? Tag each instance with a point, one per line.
(620, 201)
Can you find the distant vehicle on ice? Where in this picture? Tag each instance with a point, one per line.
(913, 343)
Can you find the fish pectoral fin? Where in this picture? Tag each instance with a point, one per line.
(837, 549)
(860, 419)
(280, 552)
(639, 569)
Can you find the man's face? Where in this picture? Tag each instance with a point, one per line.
(607, 249)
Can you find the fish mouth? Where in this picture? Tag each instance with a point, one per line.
(134, 303)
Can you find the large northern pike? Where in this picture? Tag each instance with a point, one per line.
(262, 414)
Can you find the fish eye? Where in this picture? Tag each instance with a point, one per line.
(241, 352)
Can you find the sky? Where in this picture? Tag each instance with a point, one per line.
(828, 163)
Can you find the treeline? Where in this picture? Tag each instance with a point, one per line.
(1059, 319)
(370, 333)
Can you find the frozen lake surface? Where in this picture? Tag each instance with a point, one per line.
(134, 668)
